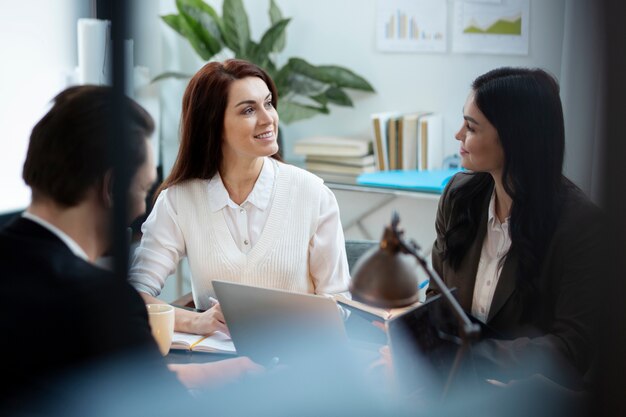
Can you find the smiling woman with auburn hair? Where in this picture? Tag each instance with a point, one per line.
(233, 208)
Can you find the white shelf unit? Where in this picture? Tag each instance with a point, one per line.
(365, 211)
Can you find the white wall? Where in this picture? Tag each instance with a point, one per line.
(407, 81)
(329, 32)
(38, 44)
(332, 32)
(321, 31)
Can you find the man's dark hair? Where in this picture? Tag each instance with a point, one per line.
(69, 147)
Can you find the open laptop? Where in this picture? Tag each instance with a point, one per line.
(270, 325)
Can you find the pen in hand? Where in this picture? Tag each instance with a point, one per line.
(218, 315)
(213, 301)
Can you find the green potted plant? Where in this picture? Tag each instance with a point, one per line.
(304, 90)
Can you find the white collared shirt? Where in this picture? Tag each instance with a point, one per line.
(245, 222)
(71, 243)
(495, 247)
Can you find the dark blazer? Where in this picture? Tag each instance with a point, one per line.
(570, 277)
(59, 313)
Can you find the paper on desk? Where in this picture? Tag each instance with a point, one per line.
(217, 342)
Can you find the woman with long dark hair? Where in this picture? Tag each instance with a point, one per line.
(232, 207)
(519, 241)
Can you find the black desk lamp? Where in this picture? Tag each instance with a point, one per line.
(386, 277)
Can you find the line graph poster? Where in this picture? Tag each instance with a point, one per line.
(491, 28)
(411, 25)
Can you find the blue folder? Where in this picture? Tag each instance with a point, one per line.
(431, 181)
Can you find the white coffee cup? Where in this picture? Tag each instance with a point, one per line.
(161, 317)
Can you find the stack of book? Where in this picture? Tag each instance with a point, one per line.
(408, 141)
(336, 159)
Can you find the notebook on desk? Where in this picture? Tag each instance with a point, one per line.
(270, 325)
(432, 181)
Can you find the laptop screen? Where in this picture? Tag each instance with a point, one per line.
(269, 324)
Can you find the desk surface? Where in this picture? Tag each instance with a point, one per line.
(365, 338)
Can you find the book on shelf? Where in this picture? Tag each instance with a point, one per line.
(337, 168)
(359, 161)
(369, 312)
(408, 141)
(408, 138)
(430, 142)
(380, 124)
(333, 146)
(217, 342)
(392, 141)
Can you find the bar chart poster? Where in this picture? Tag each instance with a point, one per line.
(491, 28)
(411, 25)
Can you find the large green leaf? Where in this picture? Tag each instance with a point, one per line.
(281, 79)
(290, 111)
(235, 26)
(337, 96)
(175, 22)
(276, 16)
(320, 98)
(203, 13)
(306, 86)
(330, 74)
(344, 77)
(253, 54)
(271, 36)
(194, 18)
(180, 25)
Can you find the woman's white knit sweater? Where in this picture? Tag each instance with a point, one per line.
(280, 257)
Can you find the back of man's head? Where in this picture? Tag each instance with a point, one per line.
(69, 147)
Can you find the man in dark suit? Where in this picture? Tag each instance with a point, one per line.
(61, 316)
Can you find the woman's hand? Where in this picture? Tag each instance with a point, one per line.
(209, 321)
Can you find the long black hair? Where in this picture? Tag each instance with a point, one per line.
(525, 108)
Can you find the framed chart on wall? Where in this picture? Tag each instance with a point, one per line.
(411, 26)
(490, 27)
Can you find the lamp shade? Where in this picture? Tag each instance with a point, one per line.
(384, 276)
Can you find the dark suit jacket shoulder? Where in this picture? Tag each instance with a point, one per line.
(59, 312)
(569, 282)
